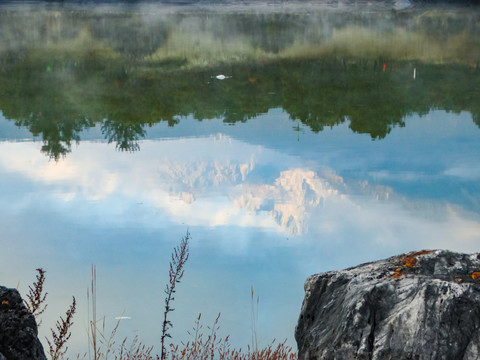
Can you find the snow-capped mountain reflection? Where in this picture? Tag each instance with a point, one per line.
(221, 181)
(289, 200)
(187, 180)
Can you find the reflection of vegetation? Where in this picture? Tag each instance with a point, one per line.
(124, 134)
(319, 93)
(57, 137)
(57, 134)
(207, 38)
(125, 71)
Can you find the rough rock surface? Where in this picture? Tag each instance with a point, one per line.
(421, 305)
(18, 329)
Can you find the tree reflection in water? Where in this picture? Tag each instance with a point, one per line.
(65, 71)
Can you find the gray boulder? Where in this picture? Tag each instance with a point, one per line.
(18, 329)
(421, 305)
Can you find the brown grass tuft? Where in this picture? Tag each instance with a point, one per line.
(58, 346)
(211, 347)
(179, 258)
(35, 302)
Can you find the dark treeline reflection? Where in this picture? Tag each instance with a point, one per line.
(373, 96)
(65, 71)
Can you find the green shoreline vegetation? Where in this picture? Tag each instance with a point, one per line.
(66, 71)
(101, 346)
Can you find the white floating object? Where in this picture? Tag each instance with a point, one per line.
(402, 4)
(414, 73)
(123, 318)
(221, 77)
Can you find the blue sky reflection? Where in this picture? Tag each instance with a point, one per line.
(265, 210)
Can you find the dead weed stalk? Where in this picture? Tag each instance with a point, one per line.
(179, 258)
(58, 347)
(35, 302)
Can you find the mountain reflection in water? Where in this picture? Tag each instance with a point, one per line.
(337, 136)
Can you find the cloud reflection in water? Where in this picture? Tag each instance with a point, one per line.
(259, 214)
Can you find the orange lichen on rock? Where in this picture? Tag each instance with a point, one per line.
(475, 275)
(411, 259)
(397, 274)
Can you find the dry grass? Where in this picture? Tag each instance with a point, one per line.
(36, 305)
(58, 346)
(179, 258)
(204, 345)
(35, 302)
(210, 347)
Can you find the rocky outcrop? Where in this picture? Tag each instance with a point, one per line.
(421, 305)
(18, 329)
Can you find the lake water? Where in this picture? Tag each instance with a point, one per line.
(288, 139)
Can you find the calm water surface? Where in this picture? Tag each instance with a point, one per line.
(335, 136)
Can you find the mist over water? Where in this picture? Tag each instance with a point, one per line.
(289, 139)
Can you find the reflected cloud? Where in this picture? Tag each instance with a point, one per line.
(218, 181)
(72, 178)
(463, 171)
(289, 200)
(198, 188)
(186, 179)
